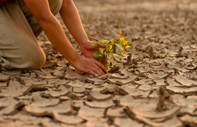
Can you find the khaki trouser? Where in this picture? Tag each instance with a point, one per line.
(18, 30)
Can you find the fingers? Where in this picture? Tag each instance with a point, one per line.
(93, 73)
(90, 66)
(98, 70)
(101, 66)
(101, 45)
(95, 69)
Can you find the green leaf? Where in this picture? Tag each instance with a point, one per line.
(105, 55)
(112, 41)
(95, 44)
(119, 46)
(97, 53)
(101, 50)
(107, 48)
(117, 57)
(105, 41)
(107, 65)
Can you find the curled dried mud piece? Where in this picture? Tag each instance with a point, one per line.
(95, 81)
(70, 120)
(10, 106)
(156, 115)
(122, 81)
(43, 102)
(127, 122)
(116, 112)
(114, 90)
(184, 80)
(96, 95)
(86, 112)
(118, 76)
(179, 90)
(74, 75)
(4, 78)
(96, 122)
(48, 76)
(100, 104)
(176, 122)
(15, 89)
(115, 68)
(60, 92)
(64, 107)
(189, 119)
(34, 88)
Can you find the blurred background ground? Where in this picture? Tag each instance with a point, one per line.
(157, 87)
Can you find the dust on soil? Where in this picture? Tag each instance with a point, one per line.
(156, 87)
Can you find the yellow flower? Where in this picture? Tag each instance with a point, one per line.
(110, 46)
(118, 36)
(122, 49)
(125, 42)
(122, 39)
(128, 46)
(120, 32)
(108, 57)
(123, 52)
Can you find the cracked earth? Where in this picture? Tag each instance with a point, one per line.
(155, 86)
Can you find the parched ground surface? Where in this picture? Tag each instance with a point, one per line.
(157, 87)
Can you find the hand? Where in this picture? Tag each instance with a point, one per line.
(88, 51)
(90, 66)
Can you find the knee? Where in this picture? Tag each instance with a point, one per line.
(35, 60)
(25, 60)
(29, 60)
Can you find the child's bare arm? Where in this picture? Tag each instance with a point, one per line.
(71, 18)
(54, 32)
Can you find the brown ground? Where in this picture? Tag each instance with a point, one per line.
(157, 87)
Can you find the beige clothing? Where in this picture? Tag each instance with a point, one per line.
(18, 30)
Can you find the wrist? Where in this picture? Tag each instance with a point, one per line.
(74, 59)
(83, 43)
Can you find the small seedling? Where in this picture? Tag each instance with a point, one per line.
(110, 50)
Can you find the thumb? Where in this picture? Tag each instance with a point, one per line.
(101, 45)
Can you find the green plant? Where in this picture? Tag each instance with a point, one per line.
(111, 46)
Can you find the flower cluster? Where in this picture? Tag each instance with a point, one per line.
(109, 50)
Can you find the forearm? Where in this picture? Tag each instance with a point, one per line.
(56, 35)
(71, 18)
